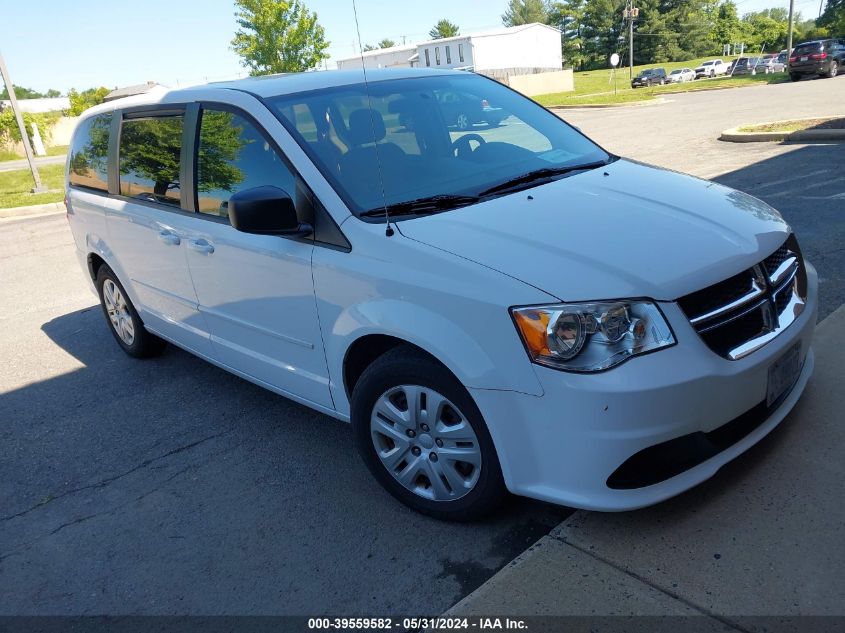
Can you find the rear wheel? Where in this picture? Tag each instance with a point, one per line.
(423, 438)
(125, 324)
(833, 70)
(462, 121)
(795, 76)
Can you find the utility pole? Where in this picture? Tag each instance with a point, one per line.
(789, 33)
(10, 88)
(631, 13)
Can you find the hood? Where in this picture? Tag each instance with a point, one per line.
(625, 230)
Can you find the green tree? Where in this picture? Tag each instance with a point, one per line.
(52, 93)
(602, 32)
(28, 93)
(767, 29)
(386, 43)
(278, 36)
(568, 16)
(525, 12)
(833, 18)
(727, 28)
(807, 30)
(81, 101)
(444, 28)
(370, 47)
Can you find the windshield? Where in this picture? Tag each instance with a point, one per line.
(452, 137)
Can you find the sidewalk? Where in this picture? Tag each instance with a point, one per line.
(22, 163)
(764, 537)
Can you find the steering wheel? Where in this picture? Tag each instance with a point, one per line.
(461, 145)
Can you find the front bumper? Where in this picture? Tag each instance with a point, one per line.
(563, 446)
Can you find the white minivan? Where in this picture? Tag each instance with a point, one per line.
(496, 308)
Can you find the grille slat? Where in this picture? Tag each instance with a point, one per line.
(746, 306)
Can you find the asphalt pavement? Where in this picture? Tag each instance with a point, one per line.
(169, 486)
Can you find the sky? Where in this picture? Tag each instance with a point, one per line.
(65, 44)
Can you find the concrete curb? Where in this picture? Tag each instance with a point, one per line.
(733, 135)
(36, 209)
(760, 539)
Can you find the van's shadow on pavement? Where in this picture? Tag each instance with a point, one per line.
(176, 487)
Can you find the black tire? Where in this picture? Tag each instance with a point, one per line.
(405, 365)
(144, 344)
(833, 69)
(794, 77)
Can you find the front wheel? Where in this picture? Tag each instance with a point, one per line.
(125, 324)
(462, 121)
(423, 438)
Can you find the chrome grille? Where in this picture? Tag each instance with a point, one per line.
(744, 312)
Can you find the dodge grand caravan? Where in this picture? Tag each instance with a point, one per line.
(498, 309)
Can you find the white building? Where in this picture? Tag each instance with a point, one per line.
(526, 48)
(380, 58)
(529, 46)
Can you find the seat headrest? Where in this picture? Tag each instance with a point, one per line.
(366, 126)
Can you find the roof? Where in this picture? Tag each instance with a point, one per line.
(382, 51)
(128, 91)
(508, 30)
(274, 85)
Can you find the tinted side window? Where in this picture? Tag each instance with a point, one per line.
(233, 156)
(89, 152)
(150, 151)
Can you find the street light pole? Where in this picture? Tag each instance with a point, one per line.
(10, 88)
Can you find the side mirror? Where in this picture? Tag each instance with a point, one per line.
(266, 210)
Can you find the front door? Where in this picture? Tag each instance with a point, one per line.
(255, 291)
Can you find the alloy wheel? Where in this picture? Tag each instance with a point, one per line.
(118, 311)
(425, 442)
(462, 121)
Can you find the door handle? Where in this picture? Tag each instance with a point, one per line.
(201, 246)
(168, 237)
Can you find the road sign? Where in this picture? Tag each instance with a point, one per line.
(614, 60)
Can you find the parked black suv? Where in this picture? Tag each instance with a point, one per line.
(649, 77)
(822, 57)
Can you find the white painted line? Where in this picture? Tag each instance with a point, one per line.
(790, 192)
(793, 179)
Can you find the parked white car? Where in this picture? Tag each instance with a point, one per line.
(711, 68)
(680, 75)
(504, 309)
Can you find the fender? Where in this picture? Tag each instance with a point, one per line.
(498, 364)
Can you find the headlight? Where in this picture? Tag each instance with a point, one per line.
(586, 337)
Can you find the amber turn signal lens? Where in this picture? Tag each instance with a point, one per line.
(533, 327)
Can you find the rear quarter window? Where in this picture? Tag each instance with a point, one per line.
(89, 150)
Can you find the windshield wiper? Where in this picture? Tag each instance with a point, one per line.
(423, 206)
(544, 173)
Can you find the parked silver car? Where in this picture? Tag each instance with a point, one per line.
(680, 75)
(770, 64)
